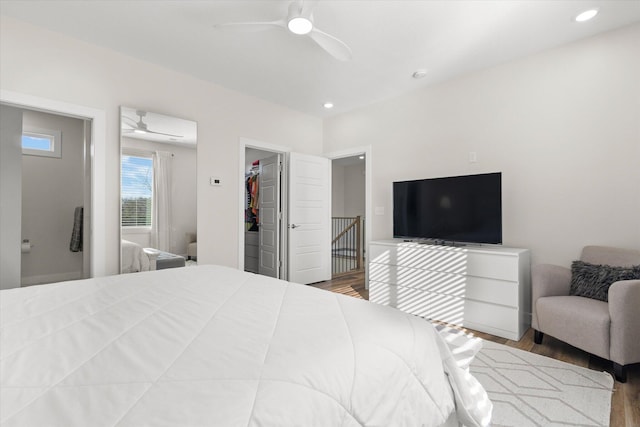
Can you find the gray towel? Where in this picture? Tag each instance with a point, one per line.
(76, 235)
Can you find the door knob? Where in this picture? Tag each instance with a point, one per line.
(293, 226)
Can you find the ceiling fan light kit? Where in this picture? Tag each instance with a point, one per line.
(300, 25)
(299, 21)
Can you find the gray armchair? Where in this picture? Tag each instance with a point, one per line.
(610, 329)
(192, 246)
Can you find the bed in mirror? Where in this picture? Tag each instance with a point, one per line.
(157, 191)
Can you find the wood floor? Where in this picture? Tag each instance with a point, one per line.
(625, 403)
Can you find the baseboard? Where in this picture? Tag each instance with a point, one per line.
(50, 278)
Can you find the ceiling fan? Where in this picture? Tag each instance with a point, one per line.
(299, 20)
(142, 128)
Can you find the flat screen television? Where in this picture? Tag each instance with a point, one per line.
(453, 209)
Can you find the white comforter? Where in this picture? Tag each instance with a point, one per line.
(133, 257)
(215, 346)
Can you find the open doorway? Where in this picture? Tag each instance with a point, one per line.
(11, 130)
(348, 215)
(262, 208)
(301, 206)
(55, 237)
(51, 177)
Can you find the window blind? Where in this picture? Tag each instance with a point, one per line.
(137, 190)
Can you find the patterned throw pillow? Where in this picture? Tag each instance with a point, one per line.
(593, 280)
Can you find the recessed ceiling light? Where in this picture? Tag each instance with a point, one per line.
(300, 25)
(328, 105)
(418, 74)
(586, 15)
(361, 157)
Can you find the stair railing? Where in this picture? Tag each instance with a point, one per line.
(346, 245)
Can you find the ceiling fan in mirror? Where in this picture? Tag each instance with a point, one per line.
(140, 127)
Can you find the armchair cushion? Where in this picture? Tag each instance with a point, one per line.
(610, 256)
(593, 280)
(557, 317)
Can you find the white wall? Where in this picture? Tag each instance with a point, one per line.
(563, 126)
(253, 154)
(51, 190)
(183, 194)
(337, 190)
(347, 190)
(83, 74)
(354, 190)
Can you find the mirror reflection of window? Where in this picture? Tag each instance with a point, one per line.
(137, 191)
(157, 191)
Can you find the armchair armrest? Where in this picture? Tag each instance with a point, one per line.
(547, 280)
(624, 300)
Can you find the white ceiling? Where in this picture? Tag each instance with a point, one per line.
(389, 39)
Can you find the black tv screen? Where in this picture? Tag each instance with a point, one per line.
(457, 209)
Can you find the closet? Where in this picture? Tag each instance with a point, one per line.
(251, 218)
(262, 213)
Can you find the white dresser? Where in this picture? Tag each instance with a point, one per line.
(486, 288)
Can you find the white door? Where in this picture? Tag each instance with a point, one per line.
(269, 209)
(309, 218)
(10, 196)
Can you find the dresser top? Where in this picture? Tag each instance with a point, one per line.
(468, 247)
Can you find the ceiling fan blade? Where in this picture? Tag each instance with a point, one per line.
(250, 27)
(165, 134)
(335, 47)
(134, 123)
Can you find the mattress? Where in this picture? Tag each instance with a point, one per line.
(211, 345)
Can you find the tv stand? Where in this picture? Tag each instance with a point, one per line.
(486, 288)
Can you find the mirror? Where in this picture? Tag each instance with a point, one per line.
(157, 191)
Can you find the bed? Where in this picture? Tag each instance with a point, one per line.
(134, 258)
(211, 345)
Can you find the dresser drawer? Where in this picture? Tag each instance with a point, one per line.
(446, 308)
(458, 260)
(476, 288)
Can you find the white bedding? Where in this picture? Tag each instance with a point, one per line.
(215, 346)
(133, 257)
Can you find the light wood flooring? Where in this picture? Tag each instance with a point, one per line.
(625, 403)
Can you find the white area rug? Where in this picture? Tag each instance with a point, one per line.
(532, 390)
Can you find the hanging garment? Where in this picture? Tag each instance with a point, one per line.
(76, 235)
(254, 194)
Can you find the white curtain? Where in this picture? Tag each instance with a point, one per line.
(161, 219)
